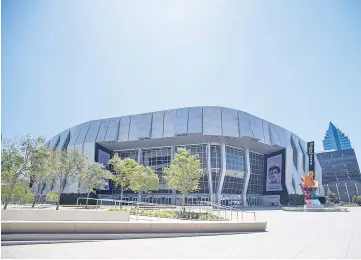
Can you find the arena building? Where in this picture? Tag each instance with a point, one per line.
(246, 159)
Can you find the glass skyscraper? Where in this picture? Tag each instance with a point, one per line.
(335, 139)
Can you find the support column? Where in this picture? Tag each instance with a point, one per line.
(246, 177)
(348, 195)
(223, 171)
(338, 193)
(139, 160)
(174, 193)
(209, 170)
(358, 194)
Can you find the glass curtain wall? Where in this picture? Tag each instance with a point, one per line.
(201, 151)
(216, 166)
(157, 159)
(234, 177)
(256, 180)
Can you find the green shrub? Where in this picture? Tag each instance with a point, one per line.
(181, 214)
(356, 200)
(52, 196)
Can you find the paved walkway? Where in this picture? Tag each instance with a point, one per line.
(290, 235)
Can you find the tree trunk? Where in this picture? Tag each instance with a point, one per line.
(121, 197)
(58, 202)
(140, 196)
(87, 197)
(8, 197)
(183, 199)
(36, 195)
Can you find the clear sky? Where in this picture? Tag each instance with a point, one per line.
(294, 63)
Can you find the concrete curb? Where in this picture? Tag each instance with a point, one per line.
(30, 232)
(32, 239)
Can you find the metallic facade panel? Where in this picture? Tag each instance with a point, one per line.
(230, 123)
(83, 132)
(54, 142)
(266, 133)
(140, 127)
(74, 133)
(245, 128)
(195, 120)
(181, 122)
(112, 132)
(212, 122)
(169, 122)
(285, 136)
(64, 139)
(103, 130)
(275, 139)
(93, 131)
(124, 129)
(257, 127)
(157, 125)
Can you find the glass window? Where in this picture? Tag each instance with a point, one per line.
(216, 166)
(157, 159)
(201, 151)
(256, 180)
(235, 159)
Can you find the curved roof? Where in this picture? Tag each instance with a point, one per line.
(207, 120)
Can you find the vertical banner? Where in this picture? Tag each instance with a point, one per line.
(274, 173)
(311, 156)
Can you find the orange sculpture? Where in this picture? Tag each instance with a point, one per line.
(309, 181)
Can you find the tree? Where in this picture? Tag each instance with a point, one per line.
(331, 197)
(52, 196)
(94, 178)
(16, 158)
(42, 169)
(143, 180)
(20, 194)
(123, 169)
(69, 165)
(184, 172)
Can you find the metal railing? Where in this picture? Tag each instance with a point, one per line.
(230, 210)
(203, 210)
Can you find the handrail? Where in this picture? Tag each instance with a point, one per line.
(230, 208)
(158, 206)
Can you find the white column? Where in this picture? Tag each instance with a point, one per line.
(358, 194)
(246, 177)
(348, 195)
(338, 193)
(223, 171)
(209, 169)
(174, 193)
(139, 160)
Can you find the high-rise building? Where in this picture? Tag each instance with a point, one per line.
(335, 139)
(340, 173)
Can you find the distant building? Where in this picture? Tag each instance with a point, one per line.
(340, 173)
(335, 139)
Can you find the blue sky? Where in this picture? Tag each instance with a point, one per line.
(294, 63)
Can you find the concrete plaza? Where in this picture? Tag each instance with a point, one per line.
(289, 235)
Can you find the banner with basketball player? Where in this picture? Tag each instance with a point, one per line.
(274, 173)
